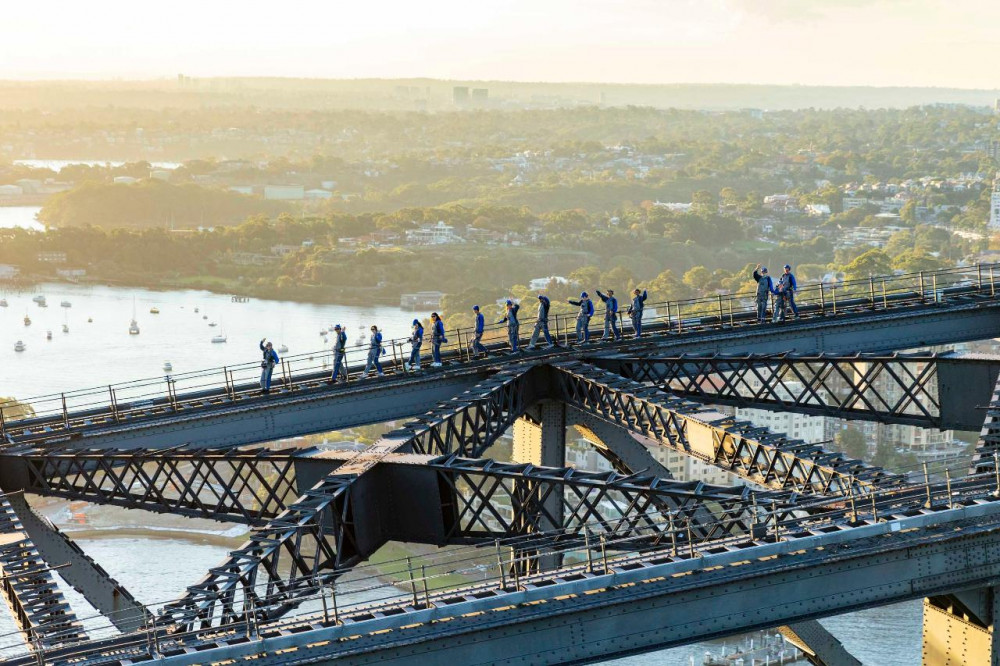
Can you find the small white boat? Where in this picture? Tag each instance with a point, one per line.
(65, 304)
(283, 349)
(39, 299)
(204, 316)
(219, 338)
(90, 320)
(167, 366)
(48, 335)
(154, 310)
(196, 310)
(19, 346)
(65, 328)
(3, 302)
(133, 327)
(212, 323)
(323, 332)
(27, 320)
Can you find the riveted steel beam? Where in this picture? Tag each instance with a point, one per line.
(80, 571)
(40, 611)
(308, 544)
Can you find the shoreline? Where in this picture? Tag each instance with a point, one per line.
(314, 294)
(176, 534)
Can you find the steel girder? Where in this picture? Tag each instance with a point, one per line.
(235, 485)
(485, 499)
(318, 538)
(40, 611)
(310, 542)
(78, 569)
(215, 420)
(753, 453)
(471, 422)
(910, 389)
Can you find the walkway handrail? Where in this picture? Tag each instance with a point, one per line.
(719, 311)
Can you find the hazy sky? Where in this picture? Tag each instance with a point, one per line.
(833, 42)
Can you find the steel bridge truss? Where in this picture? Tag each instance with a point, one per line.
(888, 388)
(318, 514)
(280, 564)
(314, 515)
(319, 537)
(469, 424)
(485, 500)
(753, 453)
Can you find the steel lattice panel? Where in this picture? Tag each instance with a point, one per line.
(472, 422)
(897, 388)
(310, 543)
(245, 485)
(489, 499)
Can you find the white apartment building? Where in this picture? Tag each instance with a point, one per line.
(284, 192)
(686, 468)
(809, 429)
(435, 234)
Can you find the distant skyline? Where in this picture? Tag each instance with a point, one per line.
(812, 42)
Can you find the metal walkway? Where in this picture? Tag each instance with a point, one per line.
(224, 407)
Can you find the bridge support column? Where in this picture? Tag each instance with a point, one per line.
(959, 628)
(540, 435)
(540, 439)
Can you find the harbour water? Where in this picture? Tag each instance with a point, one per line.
(20, 216)
(103, 352)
